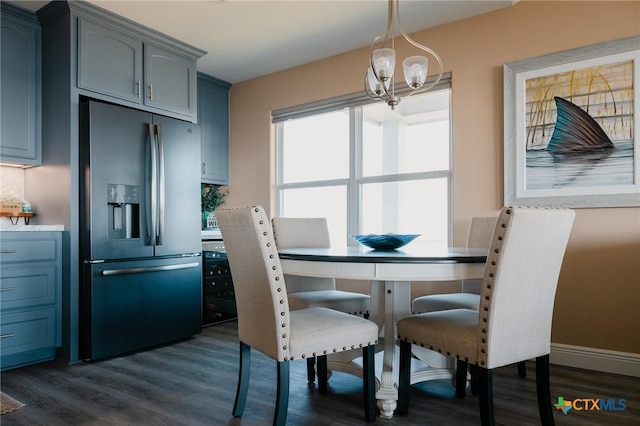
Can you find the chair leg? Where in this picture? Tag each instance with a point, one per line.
(282, 394)
(485, 384)
(243, 380)
(323, 377)
(369, 383)
(461, 378)
(311, 369)
(473, 381)
(522, 369)
(543, 388)
(404, 379)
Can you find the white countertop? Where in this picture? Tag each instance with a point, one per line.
(22, 227)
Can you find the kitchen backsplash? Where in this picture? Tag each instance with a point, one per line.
(11, 187)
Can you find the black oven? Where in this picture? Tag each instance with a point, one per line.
(218, 298)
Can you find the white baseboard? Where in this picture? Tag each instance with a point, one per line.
(624, 363)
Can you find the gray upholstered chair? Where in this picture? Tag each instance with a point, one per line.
(266, 324)
(478, 236)
(307, 292)
(516, 308)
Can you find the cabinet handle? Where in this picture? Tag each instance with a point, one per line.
(4, 336)
(150, 91)
(7, 251)
(204, 168)
(138, 88)
(7, 288)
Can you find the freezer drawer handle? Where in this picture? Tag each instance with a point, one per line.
(7, 288)
(127, 271)
(4, 336)
(7, 251)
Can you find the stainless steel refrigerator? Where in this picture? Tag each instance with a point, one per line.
(140, 245)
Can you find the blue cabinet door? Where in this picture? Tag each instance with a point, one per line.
(20, 91)
(170, 81)
(109, 61)
(213, 117)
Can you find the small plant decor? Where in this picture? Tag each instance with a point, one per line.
(211, 197)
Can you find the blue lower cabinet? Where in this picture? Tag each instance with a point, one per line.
(30, 297)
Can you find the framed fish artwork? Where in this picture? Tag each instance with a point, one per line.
(570, 127)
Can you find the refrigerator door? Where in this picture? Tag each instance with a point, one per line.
(179, 187)
(141, 184)
(139, 304)
(115, 150)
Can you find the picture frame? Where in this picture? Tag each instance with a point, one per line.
(570, 127)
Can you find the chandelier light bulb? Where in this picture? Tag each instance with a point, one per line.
(374, 84)
(384, 61)
(415, 71)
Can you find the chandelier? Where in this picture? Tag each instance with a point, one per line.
(379, 80)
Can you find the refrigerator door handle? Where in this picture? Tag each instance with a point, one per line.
(128, 271)
(154, 180)
(161, 185)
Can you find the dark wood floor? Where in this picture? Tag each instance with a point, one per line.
(193, 383)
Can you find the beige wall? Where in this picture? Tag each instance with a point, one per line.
(598, 298)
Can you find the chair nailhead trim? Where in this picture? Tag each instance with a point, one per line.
(335, 350)
(284, 325)
(284, 347)
(277, 278)
(270, 256)
(324, 352)
(279, 290)
(261, 221)
(303, 356)
(282, 313)
(284, 336)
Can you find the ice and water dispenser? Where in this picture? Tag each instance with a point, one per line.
(124, 211)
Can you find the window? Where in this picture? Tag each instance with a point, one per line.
(369, 169)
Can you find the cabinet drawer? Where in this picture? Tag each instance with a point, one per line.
(27, 331)
(28, 250)
(22, 287)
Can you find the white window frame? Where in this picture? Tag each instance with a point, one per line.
(356, 180)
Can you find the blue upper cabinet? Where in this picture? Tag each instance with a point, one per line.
(125, 63)
(213, 117)
(170, 80)
(21, 86)
(109, 61)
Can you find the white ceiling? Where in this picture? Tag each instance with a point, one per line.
(250, 38)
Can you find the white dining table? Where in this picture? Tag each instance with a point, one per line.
(390, 274)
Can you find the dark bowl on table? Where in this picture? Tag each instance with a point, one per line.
(385, 241)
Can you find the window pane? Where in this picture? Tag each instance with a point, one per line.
(329, 202)
(413, 138)
(316, 148)
(410, 207)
